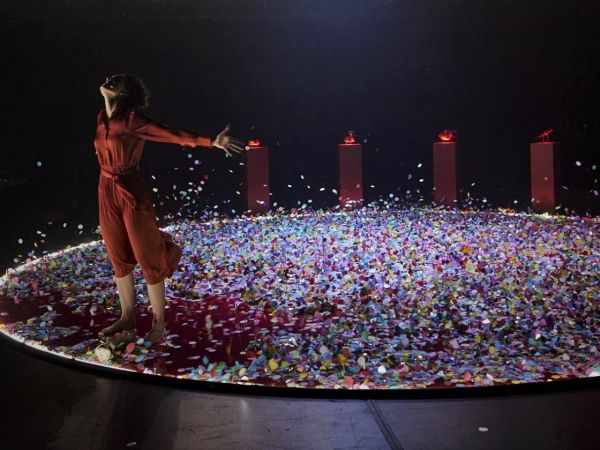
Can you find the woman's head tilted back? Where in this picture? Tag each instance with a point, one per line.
(128, 90)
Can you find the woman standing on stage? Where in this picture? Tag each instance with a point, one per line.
(126, 215)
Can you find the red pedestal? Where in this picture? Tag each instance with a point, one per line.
(544, 176)
(256, 179)
(351, 184)
(444, 173)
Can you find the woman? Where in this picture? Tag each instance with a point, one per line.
(127, 218)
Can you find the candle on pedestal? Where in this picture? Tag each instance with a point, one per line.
(445, 169)
(350, 162)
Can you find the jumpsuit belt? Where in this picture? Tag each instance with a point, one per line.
(125, 194)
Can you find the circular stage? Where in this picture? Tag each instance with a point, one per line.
(369, 299)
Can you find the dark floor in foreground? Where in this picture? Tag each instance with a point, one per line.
(46, 405)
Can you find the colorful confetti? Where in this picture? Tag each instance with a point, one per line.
(368, 299)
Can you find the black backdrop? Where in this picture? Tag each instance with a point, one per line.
(297, 75)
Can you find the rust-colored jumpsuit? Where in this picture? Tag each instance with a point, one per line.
(127, 219)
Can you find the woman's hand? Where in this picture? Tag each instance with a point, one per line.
(227, 143)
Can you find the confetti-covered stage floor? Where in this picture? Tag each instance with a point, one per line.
(370, 299)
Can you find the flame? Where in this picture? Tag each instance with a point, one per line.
(350, 138)
(254, 143)
(545, 136)
(447, 135)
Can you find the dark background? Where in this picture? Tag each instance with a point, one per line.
(297, 75)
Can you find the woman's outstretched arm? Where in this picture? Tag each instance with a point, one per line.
(146, 128)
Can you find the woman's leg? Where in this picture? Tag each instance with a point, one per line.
(118, 247)
(126, 290)
(156, 293)
(157, 256)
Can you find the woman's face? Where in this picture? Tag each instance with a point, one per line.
(114, 85)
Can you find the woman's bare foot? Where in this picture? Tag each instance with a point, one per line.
(155, 334)
(124, 323)
(121, 337)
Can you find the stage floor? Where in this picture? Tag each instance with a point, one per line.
(49, 406)
(369, 299)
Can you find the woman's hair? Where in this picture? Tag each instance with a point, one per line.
(135, 96)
